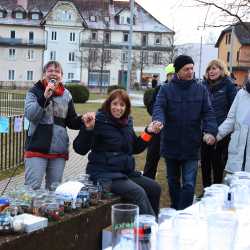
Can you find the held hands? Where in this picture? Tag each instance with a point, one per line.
(89, 120)
(154, 127)
(49, 90)
(209, 139)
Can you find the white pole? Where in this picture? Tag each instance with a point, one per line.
(200, 57)
(130, 44)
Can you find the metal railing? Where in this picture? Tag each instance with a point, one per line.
(12, 142)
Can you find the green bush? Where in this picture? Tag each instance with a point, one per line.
(147, 97)
(80, 93)
(113, 87)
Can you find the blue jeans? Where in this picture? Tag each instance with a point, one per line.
(181, 193)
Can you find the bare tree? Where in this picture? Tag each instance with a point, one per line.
(229, 11)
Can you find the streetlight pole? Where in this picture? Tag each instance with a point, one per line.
(130, 44)
(200, 59)
(201, 42)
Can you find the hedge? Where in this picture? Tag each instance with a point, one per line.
(80, 93)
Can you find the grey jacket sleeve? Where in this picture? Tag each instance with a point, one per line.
(32, 110)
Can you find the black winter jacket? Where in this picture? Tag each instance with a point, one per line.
(222, 96)
(182, 106)
(112, 147)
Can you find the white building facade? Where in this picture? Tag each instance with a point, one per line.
(88, 37)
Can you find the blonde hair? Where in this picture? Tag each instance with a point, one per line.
(220, 64)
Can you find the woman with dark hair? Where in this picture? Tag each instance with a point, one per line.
(49, 108)
(222, 91)
(110, 137)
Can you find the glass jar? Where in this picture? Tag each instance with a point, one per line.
(5, 222)
(68, 203)
(38, 207)
(95, 195)
(84, 195)
(60, 201)
(147, 232)
(53, 212)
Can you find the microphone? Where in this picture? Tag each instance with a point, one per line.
(53, 81)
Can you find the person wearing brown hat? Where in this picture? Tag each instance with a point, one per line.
(184, 108)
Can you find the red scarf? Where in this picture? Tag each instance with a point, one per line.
(59, 90)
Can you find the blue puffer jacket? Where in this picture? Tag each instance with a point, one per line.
(222, 96)
(184, 108)
(112, 147)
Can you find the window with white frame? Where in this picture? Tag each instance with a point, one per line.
(157, 58)
(30, 54)
(72, 36)
(93, 55)
(93, 18)
(70, 76)
(124, 56)
(144, 57)
(66, 15)
(107, 19)
(12, 34)
(94, 36)
(107, 37)
(29, 75)
(125, 37)
(35, 16)
(107, 55)
(31, 37)
(52, 55)
(12, 53)
(11, 75)
(144, 39)
(158, 39)
(71, 56)
(19, 15)
(54, 35)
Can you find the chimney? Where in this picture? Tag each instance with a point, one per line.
(23, 3)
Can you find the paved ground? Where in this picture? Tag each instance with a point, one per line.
(74, 166)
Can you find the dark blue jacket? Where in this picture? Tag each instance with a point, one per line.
(112, 147)
(182, 106)
(222, 96)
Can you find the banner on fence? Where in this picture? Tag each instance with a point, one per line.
(4, 124)
(18, 124)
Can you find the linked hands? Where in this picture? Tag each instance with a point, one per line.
(154, 127)
(209, 139)
(89, 120)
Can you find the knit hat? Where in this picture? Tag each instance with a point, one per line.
(181, 61)
(170, 69)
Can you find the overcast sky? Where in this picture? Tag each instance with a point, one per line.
(184, 20)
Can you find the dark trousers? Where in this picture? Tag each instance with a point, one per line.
(213, 161)
(153, 157)
(141, 191)
(181, 191)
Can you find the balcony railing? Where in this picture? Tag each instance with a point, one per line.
(21, 42)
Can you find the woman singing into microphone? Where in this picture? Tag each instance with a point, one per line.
(49, 108)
